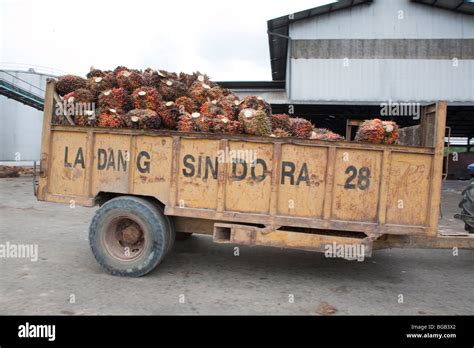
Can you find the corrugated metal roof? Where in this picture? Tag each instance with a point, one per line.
(462, 6)
(278, 28)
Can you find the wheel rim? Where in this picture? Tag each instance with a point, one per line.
(124, 238)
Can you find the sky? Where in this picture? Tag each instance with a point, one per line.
(225, 39)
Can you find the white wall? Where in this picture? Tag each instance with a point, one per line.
(372, 80)
(378, 80)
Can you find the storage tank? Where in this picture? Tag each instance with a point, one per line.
(20, 124)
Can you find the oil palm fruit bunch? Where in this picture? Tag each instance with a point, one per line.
(219, 93)
(325, 134)
(216, 93)
(168, 75)
(280, 133)
(391, 132)
(214, 108)
(87, 119)
(109, 118)
(152, 78)
(99, 84)
(169, 114)
(226, 92)
(95, 73)
(233, 100)
(119, 69)
(300, 128)
(134, 118)
(196, 77)
(255, 122)
(222, 124)
(172, 89)
(129, 80)
(199, 92)
(69, 98)
(203, 123)
(281, 121)
(69, 83)
(186, 79)
(152, 120)
(143, 119)
(146, 98)
(82, 103)
(185, 104)
(115, 98)
(81, 95)
(219, 124)
(256, 103)
(371, 131)
(187, 122)
(234, 127)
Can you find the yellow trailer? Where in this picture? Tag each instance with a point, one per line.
(287, 193)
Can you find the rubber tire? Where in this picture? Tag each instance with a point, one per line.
(467, 204)
(183, 236)
(157, 228)
(171, 228)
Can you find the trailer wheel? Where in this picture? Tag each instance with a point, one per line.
(183, 235)
(171, 228)
(130, 236)
(467, 205)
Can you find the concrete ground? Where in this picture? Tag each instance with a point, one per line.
(67, 280)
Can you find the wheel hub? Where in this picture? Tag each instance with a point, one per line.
(124, 239)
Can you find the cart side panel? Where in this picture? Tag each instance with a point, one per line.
(301, 181)
(356, 189)
(151, 163)
(248, 182)
(67, 175)
(409, 191)
(111, 166)
(197, 174)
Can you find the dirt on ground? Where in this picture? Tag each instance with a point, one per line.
(14, 172)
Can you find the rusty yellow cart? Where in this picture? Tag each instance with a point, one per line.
(286, 193)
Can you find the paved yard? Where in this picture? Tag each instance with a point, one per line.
(213, 280)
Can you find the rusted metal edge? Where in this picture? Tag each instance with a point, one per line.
(221, 180)
(384, 186)
(425, 242)
(173, 192)
(252, 236)
(316, 223)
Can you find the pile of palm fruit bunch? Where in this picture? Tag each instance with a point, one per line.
(325, 134)
(158, 99)
(377, 131)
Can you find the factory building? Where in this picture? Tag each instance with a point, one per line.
(351, 58)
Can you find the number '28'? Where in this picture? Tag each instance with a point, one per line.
(363, 178)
